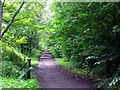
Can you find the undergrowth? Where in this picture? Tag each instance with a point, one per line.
(17, 83)
(12, 61)
(101, 81)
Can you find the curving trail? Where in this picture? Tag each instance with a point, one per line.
(50, 75)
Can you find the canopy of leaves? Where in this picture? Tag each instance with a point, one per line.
(88, 33)
(21, 41)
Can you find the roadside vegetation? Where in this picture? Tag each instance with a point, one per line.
(87, 38)
(19, 43)
(84, 37)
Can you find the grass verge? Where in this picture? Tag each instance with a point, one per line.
(19, 83)
(72, 66)
(34, 61)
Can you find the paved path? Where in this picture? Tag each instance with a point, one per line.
(50, 75)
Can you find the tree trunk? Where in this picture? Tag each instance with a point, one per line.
(0, 16)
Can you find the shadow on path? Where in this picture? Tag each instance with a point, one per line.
(50, 75)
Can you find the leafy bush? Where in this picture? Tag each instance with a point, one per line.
(90, 36)
(115, 81)
(9, 69)
(54, 52)
(34, 61)
(36, 52)
(17, 83)
(12, 54)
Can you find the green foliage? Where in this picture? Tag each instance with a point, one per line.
(23, 33)
(20, 42)
(22, 73)
(88, 33)
(9, 53)
(72, 66)
(34, 61)
(17, 83)
(115, 81)
(36, 52)
(9, 69)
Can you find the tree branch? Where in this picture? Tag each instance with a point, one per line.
(5, 30)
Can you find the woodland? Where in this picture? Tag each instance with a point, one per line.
(83, 37)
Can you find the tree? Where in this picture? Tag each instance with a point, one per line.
(89, 34)
(13, 17)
